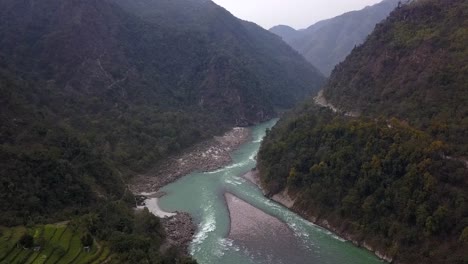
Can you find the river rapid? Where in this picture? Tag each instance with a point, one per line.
(261, 231)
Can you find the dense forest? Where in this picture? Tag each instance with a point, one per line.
(383, 181)
(51, 172)
(414, 66)
(395, 177)
(94, 91)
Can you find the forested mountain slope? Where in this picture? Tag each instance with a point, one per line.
(328, 42)
(95, 90)
(414, 67)
(395, 178)
(136, 80)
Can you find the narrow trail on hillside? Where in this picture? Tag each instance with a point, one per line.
(321, 101)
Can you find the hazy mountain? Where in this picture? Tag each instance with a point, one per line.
(328, 42)
(394, 175)
(287, 33)
(93, 91)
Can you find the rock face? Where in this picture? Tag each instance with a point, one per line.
(328, 42)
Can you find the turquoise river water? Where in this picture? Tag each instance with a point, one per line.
(203, 196)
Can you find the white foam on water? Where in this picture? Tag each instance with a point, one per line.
(252, 157)
(236, 181)
(258, 139)
(236, 165)
(207, 225)
(334, 236)
(215, 171)
(301, 228)
(224, 245)
(229, 167)
(148, 193)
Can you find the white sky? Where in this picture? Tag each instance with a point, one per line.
(296, 13)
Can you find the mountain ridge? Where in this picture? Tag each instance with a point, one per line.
(95, 91)
(381, 157)
(328, 42)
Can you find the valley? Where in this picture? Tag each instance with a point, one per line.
(231, 213)
(173, 132)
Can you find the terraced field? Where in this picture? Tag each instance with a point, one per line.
(61, 244)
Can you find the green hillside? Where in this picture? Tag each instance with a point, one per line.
(414, 67)
(58, 243)
(93, 92)
(395, 177)
(380, 182)
(111, 234)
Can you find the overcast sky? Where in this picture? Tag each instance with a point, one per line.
(295, 13)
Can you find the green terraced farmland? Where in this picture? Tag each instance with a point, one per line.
(59, 244)
(8, 248)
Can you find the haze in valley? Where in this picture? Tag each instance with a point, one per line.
(294, 13)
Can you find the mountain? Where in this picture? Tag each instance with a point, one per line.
(287, 33)
(328, 42)
(137, 80)
(412, 67)
(384, 163)
(94, 91)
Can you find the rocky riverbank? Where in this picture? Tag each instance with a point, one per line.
(179, 231)
(253, 229)
(207, 156)
(248, 222)
(286, 200)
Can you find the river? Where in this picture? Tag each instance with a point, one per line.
(263, 231)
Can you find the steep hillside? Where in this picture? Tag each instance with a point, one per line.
(93, 91)
(328, 42)
(134, 81)
(414, 67)
(395, 178)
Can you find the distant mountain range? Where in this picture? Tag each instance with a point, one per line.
(328, 42)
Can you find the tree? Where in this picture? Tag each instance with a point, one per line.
(27, 241)
(87, 240)
(464, 236)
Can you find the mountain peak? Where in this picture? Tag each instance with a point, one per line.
(328, 42)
